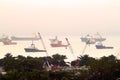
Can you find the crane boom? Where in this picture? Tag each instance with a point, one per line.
(43, 43)
(70, 47)
(44, 49)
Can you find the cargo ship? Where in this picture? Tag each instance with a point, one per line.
(97, 38)
(24, 38)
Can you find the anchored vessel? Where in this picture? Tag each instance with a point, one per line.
(56, 43)
(3, 37)
(96, 38)
(24, 38)
(32, 48)
(9, 42)
(101, 46)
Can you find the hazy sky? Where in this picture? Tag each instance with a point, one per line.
(59, 16)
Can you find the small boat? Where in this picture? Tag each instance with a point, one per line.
(101, 46)
(9, 42)
(32, 48)
(56, 43)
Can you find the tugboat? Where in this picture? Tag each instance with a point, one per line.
(56, 43)
(32, 48)
(101, 46)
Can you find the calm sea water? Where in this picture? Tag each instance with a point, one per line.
(76, 44)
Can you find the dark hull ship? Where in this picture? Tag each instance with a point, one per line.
(103, 47)
(32, 48)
